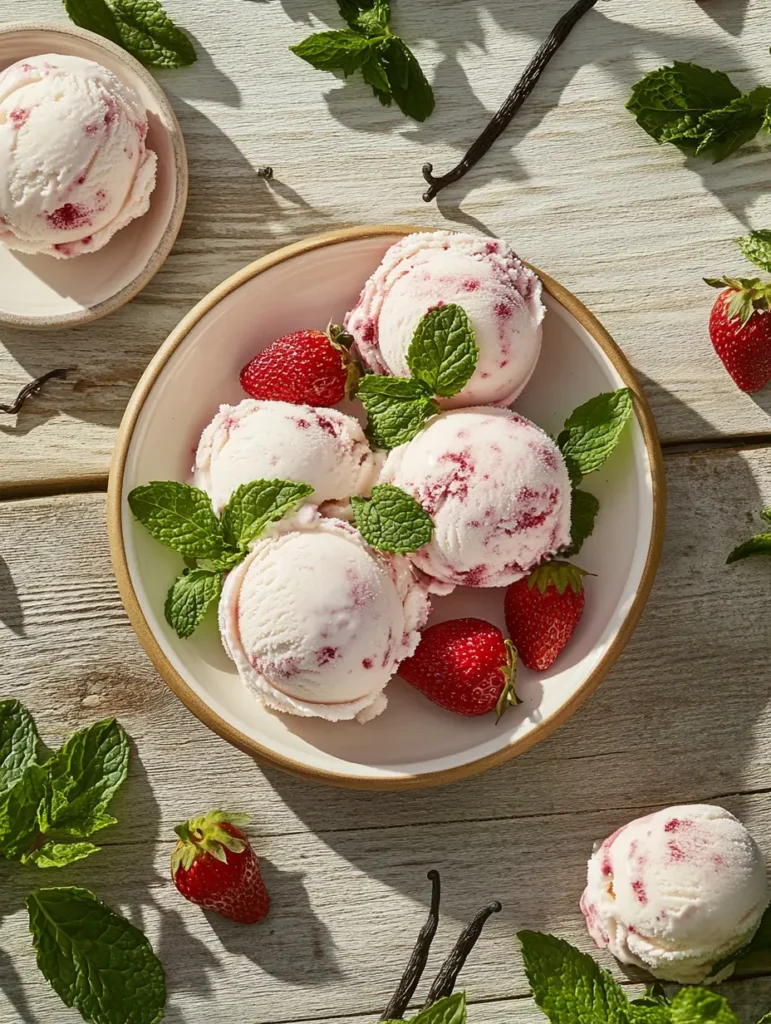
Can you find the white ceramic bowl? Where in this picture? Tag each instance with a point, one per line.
(42, 292)
(414, 743)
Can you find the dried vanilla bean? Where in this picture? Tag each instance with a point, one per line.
(417, 963)
(33, 388)
(504, 116)
(451, 968)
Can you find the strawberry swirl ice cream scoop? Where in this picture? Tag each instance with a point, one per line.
(482, 275)
(317, 622)
(677, 891)
(497, 489)
(74, 164)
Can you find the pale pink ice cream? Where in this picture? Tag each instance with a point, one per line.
(317, 622)
(501, 296)
(497, 489)
(74, 164)
(676, 891)
(258, 440)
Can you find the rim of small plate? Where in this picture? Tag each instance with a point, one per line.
(233, 735)
(181, 182)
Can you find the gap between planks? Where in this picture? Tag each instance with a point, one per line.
(97, 482)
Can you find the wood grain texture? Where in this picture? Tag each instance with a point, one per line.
(683, 717)
(574, 184)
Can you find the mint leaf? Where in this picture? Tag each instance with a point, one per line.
(583, 513)
(766, 1019)
(765, 515)
(722, 132)
(649, 1014)
(655, 995)
(568, 985)
(252, 506)
(18, 742)
(141, 27)
(373, 74)
(409, 86)
(82, 778)
(94, 959)
(19, 809)
(189, 599)
(700, 1006)
(59, 855)
(669, 102)
(373, 21)
(95, 16)
(397, 408)
(391, 520)
(449, 1010)
(343, 50)
(593, 430)
(443, 351)
(760, 545)
(178, 516)
(756, 247)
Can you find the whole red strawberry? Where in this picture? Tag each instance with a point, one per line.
(740, 329)
(542, 611)
(465, 666)
(214, 866)
(305, 368)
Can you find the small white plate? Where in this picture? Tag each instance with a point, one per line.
(414, 743)
(42, 292)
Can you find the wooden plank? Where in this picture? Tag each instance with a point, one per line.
(683, 717)
(575, 185)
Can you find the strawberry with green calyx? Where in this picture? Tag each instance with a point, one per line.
(740, 329)
(542, 611)
(214, 865)
(465, 666)
(304, 368)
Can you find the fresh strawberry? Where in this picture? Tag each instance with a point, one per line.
(305, 368)
(740, 329)
(465, 666)
(214, 866)
(542, 611)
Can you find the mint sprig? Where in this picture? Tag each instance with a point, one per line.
(758, 545)
(392, 521)
(443, 352)
(698, 110)
(66, 796)
(181, 517)
(593, 430)
(142, 27)
(442, 357)
(368, 45)
(756, 247)
(18, 742)
(584, 510)
(94, 959)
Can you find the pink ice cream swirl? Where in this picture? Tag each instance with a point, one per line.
(497, 489)
(676, 891)
(501, 296)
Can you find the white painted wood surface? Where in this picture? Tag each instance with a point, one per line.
(683, 717)
(574, 184)
(631, 228)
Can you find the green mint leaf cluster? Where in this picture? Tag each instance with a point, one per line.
(391, 520)
(442, 357)
(181, 518)
(42, 805)
(141, 27)
(570, 987)
(758, 545)
(587, 440)
(449, 1010)
(94, 959)
(699, 110)
(368, 45)
(756, 247)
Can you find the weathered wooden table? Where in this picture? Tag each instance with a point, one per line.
(579, 190)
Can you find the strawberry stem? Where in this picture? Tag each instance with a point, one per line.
(417, 962)
(451, 968)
